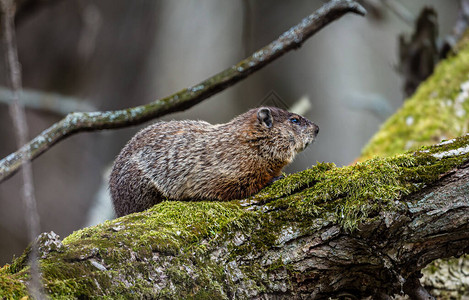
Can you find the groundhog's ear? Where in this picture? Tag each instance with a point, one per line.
(265, 116)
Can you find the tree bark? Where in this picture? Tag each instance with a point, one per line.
(437, 111)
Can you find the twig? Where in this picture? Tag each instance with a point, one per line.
(78, 122)
(50, 102)
(21, 132)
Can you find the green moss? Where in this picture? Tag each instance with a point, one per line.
(19, 263)
(11, 284)
(165, 228)
(292, 183)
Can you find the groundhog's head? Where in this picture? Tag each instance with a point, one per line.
(288, 133)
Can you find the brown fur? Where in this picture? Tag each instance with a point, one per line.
(194, 160)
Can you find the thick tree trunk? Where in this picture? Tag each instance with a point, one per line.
(437, 111)
(361, 230)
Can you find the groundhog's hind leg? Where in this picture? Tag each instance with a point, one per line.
(149, 196)
(134, 194)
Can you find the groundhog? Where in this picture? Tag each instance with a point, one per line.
(195, 160)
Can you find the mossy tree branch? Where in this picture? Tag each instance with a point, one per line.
(437, 111)
(184, 99)
(362, 230)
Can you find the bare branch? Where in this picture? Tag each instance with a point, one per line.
(50, 102)
(186, 98)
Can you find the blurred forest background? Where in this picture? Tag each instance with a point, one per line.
(113, 54)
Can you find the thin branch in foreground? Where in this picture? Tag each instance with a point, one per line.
(21, 131)
(184, 99)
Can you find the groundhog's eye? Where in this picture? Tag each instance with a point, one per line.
(295, 120)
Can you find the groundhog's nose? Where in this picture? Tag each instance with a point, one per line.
(316, 129)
